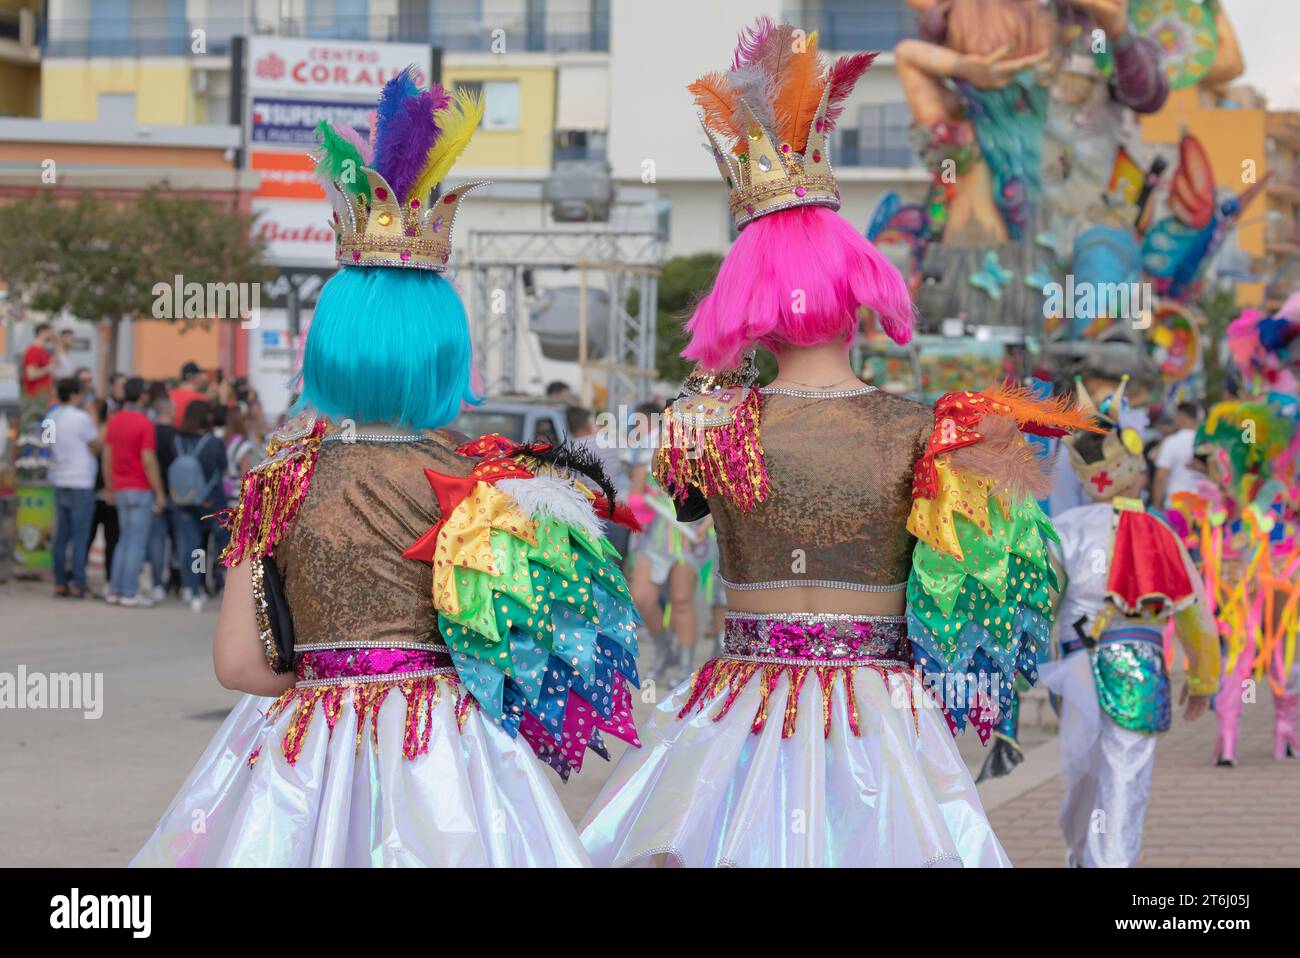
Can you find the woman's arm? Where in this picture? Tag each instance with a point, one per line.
(237, 654)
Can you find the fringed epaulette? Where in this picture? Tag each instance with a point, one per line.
(979, 596)
(530, 597)
(273, 490)
(711, 442)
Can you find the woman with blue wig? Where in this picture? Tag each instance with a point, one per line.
(415, 618)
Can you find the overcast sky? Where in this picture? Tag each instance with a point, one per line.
(1269, 32)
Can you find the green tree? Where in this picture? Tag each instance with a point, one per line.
(100, 259)
(1219, 306)
(684, 280)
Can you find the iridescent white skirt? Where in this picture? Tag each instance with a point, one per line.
(858, 769)
(412, 777)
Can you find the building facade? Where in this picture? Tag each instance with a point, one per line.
(602, 81)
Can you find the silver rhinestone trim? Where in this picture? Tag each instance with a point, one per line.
(814, 617)
(373, 679)
(847, 660)
(371, 644)
(376, 437)
(812, 584)
(817, 394)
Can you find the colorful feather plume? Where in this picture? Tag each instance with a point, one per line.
(415, 137)
(458, 120)
(405, 141)
(757, 90)
(395, 92)
(1041, 417)
(339, 160)
(774, 51)
(716, 97)
(1006, 457)
(843, 76)
(363, 146)
(749, 41)
(800, 95)
(779, 75)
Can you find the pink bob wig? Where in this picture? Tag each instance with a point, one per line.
(795, 278)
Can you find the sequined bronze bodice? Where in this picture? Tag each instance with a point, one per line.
(344, 576)
(840, 474)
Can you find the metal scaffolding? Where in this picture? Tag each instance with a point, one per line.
(621, 260)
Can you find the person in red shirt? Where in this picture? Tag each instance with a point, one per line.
(134, 484)
(38, 363)
(194, 385)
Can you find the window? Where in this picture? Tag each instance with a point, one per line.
(880, 138)
(858, 24)
(579, 145)
(501, 102)
(117, 108)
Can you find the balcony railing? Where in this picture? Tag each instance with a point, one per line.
(558, 31)
(846, 25)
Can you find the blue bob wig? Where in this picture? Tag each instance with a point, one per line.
(388, 345)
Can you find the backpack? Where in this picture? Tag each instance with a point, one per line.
(185, 479)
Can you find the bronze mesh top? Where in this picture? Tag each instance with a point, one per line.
(840, 490)
(341, 559)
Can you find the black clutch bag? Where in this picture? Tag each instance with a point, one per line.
(275, 609)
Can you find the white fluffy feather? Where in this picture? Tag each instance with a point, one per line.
(545, 498)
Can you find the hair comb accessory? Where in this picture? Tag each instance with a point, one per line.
(769, 119)
(388, 207)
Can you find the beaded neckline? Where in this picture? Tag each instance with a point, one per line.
(817, 393)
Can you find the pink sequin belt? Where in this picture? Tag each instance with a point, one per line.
(340, 666)
(817, 637)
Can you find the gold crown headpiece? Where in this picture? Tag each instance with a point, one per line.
(769, 119)
(388, 208)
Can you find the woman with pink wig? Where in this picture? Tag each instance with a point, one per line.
(884, 564)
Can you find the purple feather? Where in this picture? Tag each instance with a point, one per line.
(402, 151)
(391, 97)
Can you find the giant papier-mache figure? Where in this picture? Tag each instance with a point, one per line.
(1125, 575)
(919, 554)
(437, 610)
(1026, 113)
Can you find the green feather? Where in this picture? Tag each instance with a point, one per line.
(339, 162)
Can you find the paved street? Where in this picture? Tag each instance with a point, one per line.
(88, 792)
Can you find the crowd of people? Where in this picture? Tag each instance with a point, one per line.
(148, 465)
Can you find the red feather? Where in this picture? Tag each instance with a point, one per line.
(844, 76)
(622, 513)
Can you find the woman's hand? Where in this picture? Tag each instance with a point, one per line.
(993, 70)
(1194, 706)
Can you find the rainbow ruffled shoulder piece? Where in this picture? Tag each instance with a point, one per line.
(273, 490)
(530, 597)
(710, 441)
(979, 594)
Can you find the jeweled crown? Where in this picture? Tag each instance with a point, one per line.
(389, 209)
(769, 120)
(383, 232)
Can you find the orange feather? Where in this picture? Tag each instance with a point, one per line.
(715, 97)
(802, 82)
(1060, 413)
